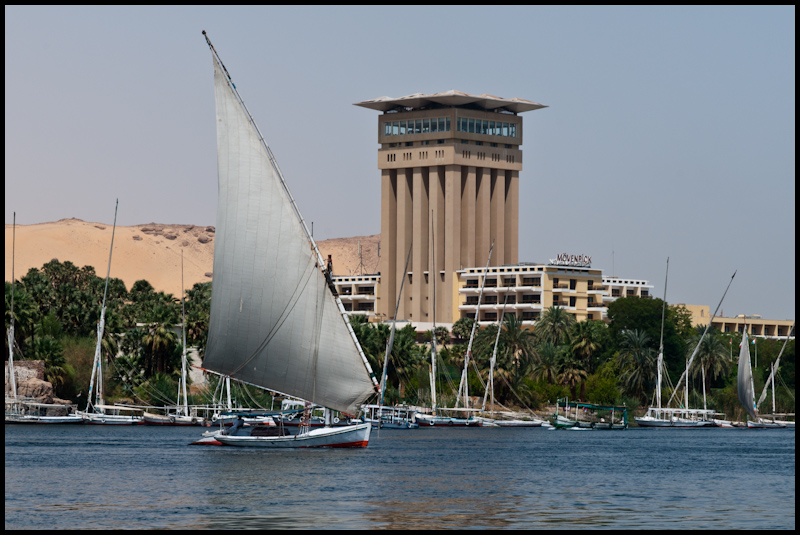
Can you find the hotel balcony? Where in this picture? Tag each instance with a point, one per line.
(356, 297)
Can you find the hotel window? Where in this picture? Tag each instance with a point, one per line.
(434, 125)
(426, 126)
(447, 124)
(471, 126)
(417, 126)
(402, 128)
(572, 301)
(513, 130)
(395, 128)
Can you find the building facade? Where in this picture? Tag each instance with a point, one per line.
(755, 324)
(526, 290)
(450, 166)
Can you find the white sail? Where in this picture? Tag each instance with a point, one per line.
(745, 379)
(274, 322)
(774, 369)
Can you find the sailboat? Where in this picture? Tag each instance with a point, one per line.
(19, 410)
(97, 412)
(440, 420)
(276, 320)
(391, 417)
(659, 416)
(771, 383)
(504, 422)
(746, 391)
(182, 415)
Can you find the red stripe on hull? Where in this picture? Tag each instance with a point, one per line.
(359, 444)
(206, 443)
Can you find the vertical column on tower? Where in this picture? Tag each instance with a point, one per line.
(512, 218)
(404, 236)
(388, 260)
(419, 262)
(468, 216)
(436, 191)
(452, 238)
(497, 208)
(483, 240)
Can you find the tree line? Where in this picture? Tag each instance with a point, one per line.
(57, 308)
(56, 312)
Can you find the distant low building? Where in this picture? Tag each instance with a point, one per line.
(756, 325)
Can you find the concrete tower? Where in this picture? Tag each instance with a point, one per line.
(450, 166)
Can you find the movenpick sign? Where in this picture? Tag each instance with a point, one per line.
(572, 260)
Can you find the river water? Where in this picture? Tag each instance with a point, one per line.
(110, 477)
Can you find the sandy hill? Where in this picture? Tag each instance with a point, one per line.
(152, 251)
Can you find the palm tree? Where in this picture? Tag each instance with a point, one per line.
(159, 340)
(554, 326)
(712, 357)
(547, 366)
(572, 373)
(517, 343)
(51, 351)
(26, 313)
(586, 341)
(463, 328)
(38, 286)
(636, 361)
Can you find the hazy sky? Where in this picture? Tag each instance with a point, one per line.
(669, 131)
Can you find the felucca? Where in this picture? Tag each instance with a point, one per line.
(770, 383)
(746, 391)
(659, 416)
(97, 412)
(20, 410)
(276, 321)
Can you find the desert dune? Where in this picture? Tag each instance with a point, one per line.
(152, 251)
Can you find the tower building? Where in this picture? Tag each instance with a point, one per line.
(450, 166)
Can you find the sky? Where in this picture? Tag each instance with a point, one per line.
(669, 131)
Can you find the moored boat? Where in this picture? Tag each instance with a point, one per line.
(384, 417)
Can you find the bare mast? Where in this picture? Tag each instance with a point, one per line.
(11, 328)
(463, 383)
(97, 368)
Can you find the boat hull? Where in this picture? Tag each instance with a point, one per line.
(111, 419)
(160, 419)
(395, 425)
(356, 436)
(28, 419)
(765, 424)
(646, 421)
(425, 420)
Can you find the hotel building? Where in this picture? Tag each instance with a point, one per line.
(450, 166)
(755, 324)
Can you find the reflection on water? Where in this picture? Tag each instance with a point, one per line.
(143, 477)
